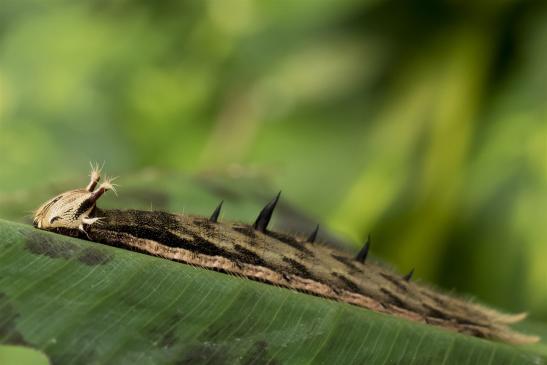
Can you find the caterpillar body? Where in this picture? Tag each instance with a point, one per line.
(255, 252)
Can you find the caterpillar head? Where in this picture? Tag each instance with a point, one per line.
(72, 208)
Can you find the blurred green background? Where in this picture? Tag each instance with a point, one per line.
(423, 122)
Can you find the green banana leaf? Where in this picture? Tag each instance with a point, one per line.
(81, 302)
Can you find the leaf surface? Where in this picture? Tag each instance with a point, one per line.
(81, 302)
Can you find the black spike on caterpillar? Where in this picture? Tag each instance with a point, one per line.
(257, 253)
(363, 252)
(408, 276)
(265, 215)
(313, 235)
(216, 213)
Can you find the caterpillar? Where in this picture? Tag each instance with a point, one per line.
(255, 252)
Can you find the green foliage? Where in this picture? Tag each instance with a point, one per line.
(86, 303)
(21, 355)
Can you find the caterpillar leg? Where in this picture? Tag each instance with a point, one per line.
(82, 229)
(86, 221)
(90, 221)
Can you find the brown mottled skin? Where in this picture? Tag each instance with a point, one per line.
(288, 261)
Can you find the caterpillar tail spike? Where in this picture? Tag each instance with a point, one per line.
(265, 215)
